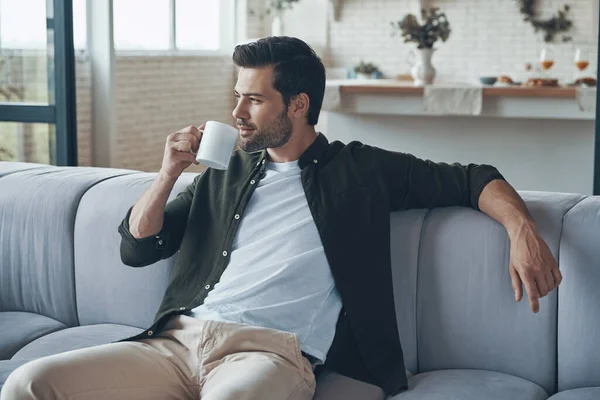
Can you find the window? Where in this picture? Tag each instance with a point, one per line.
(197, 24)
(79, 24)
(141, 24)
(173, 25)
(14, 16)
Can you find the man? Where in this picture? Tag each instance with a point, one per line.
(283, 260)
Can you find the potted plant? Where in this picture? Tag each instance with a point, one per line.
(435, 26)
(365, 70)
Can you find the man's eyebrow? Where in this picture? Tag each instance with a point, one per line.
(249, 94)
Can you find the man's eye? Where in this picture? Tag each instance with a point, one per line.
(254, 99)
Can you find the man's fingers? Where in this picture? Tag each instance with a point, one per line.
(517, 285)
(187, 137)
(183, 146)
(550, 280)
(557, 276)
(184, 156)
(540, 280)
(532, 293)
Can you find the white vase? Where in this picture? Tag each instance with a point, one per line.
(362, 75)
(423, 72)
(277, 25)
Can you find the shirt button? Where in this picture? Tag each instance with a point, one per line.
(160, 242)
(150, 333)
(252, 182)
(237, 216)
(315, 161)
(182, 308)
(263, 161)
(207, 287)
(224, 253)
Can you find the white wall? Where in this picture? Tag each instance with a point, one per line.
(546, 155)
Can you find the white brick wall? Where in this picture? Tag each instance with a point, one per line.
(159, 95)
(488, 38)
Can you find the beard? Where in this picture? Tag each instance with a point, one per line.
(274, 134)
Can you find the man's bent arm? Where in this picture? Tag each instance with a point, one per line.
(146, 218)
(531, 261)
(156, 229)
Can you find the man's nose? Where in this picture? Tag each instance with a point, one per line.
(240, 111)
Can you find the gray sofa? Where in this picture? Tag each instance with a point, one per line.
(63, 287)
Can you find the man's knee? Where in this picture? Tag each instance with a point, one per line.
(32, 380)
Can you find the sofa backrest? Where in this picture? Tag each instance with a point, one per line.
(107, 290)
(38, 206)
(465, 315)
(579, 297)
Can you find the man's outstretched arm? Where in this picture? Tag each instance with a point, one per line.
(531, 261)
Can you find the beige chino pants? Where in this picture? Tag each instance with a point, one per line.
(189, 359)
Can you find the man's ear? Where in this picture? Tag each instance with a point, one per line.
(299, 105)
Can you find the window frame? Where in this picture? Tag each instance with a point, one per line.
(227, 35)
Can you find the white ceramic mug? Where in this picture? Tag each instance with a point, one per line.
(217, 144)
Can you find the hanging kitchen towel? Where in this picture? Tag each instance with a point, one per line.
(452, 100)
(332, 99)
(586, 99)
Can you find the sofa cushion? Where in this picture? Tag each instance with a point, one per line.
(107, 290)
(75, 338)
(579, 297)
(405, 236)
(9, 167)
(333, 386)
(37, 217)
(20, 328)
(592, 393)
(467, 317)
(8, 366)
(470, 385)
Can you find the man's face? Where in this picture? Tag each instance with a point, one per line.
(260, 113)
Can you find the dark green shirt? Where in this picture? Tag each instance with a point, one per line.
(351, 190)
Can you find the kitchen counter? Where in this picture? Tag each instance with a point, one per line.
(539, 138)
(392, 87)
(392, 97)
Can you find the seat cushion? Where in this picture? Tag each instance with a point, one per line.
(8, 366)
(75, 338)
(20, 328)
(578, 317)
(464, 384)
(591, 393)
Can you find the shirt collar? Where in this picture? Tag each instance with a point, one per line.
(312, 155)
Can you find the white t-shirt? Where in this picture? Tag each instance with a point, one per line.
(278, 276)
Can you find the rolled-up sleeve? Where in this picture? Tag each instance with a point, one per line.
(417, 183)
(145, 251)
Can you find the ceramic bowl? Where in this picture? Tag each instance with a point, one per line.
(488, 80)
